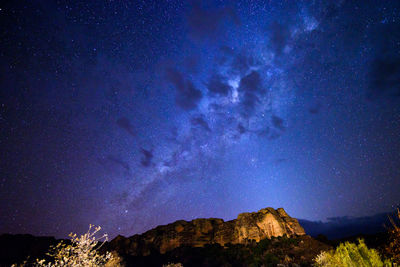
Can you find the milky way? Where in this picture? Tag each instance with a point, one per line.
(133, 114)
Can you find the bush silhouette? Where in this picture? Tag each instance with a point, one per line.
(83, 251)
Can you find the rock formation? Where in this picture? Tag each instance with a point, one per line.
(265, 223)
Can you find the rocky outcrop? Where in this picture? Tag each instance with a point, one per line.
(265, 223)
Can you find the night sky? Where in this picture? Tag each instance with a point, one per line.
(130, 115)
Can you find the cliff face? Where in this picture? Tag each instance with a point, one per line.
(265, 223)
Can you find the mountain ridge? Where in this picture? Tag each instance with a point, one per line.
(247, 227)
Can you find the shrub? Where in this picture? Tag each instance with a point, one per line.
(173, 265)
(393, 248)
(83, 251)
(350, 255)
(262, 246)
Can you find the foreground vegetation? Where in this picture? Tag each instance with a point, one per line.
(349, 255)
(82, 251)
(392, 249)
(299, 250)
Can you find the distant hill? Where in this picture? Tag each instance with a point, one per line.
(341, 227)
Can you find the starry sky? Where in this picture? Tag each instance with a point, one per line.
(134, 114)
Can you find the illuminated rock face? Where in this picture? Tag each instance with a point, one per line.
(265, 223)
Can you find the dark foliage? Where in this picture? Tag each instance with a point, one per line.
(267, 252)
(17, 248)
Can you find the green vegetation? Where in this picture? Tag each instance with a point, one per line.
(351, 255)
(83, 251)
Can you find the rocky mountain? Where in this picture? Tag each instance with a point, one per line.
(248, 227)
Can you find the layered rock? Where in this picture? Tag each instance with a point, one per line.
(265, 223)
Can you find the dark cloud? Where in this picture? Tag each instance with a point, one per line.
(274, 131)
(241, 129)
(272, 135)
(251, 87)
(385, 77)
(265, 132)
(279, 37)
(205, 22)
(191, 64)
(173, 134)
(147, 157)
(199, 121)
(176, 78)
(237, 62)
(113, 163)
(125, 124)
(187, 96)
(227, 50)
(242, 62)
(249, 101)
(280, 160)
(277, 122)
(119, 162)
(251, 82)
(315, 108)
(217, 85)
(225, 55)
